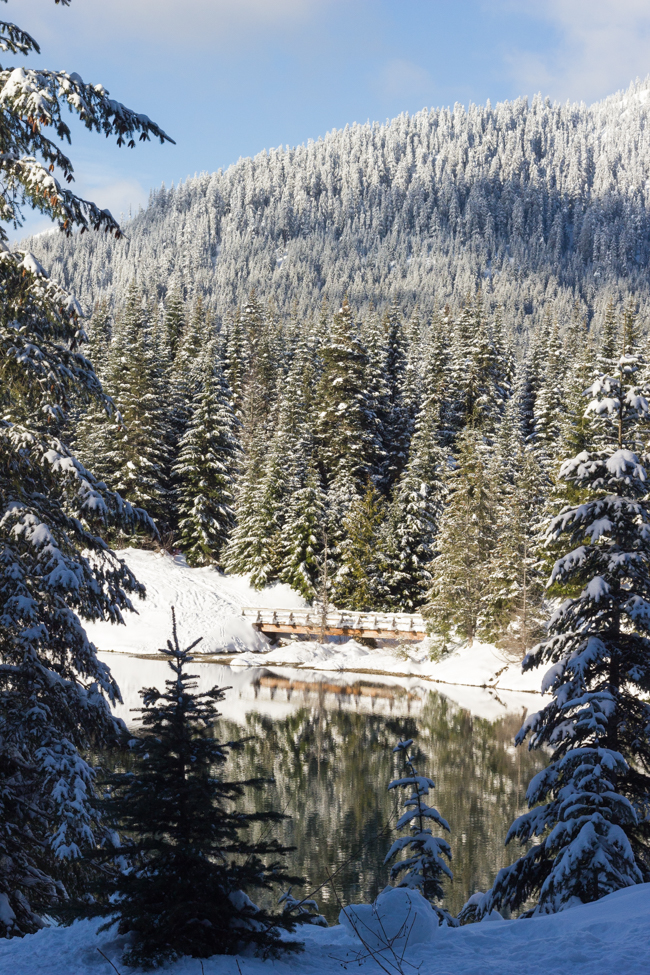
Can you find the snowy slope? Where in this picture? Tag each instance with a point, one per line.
(207, 604)
(610, 937)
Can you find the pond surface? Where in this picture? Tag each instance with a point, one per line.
(327, 741)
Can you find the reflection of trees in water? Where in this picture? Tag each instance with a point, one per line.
(332, 768)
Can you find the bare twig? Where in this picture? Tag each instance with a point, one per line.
(373, 954)
(109, 961)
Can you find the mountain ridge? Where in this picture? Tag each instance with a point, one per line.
(540, 204)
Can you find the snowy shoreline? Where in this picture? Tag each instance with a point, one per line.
(479, 678)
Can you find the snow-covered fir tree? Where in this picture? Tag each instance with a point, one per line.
(588, 808)
(512, 606)
(55, 568)
(358, 580)
(345, 425)
(465, 544)
(137, 461)
(206, 465)
(425, 863)
(302, 535)
(415, 512)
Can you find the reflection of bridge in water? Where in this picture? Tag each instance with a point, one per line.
(385, 698)
(327, 687)
(336, 622)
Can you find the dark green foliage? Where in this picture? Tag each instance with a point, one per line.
(302, 536)
(136, 458)
(345, 425)
(205, 468)
(358, 582)
(415, 512)
(465, 544)
(191, 872)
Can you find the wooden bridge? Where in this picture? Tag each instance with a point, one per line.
(336, 622)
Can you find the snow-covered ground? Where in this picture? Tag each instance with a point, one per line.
(610, 937)
(208, 604)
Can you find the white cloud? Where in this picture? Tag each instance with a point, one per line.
(602, 46)
(404, 79)
(201, 22)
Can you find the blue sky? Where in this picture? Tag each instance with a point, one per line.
(228, 78)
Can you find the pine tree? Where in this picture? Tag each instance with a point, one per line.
(550, 403)
(414, 514)
(205, 467)
(465, 543)
(174, 316)
(588, 806)
(55, 568)
(91, 431)
(345, 419)
(513, 600)
(425, 865)
(190, 872)
(235, 358)
(244, 537)
(358, 581)
(137, 462)
(302, 536)
(397, 426)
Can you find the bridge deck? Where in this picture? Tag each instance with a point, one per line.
(387, 626)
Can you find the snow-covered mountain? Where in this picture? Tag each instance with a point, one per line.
(540, 202)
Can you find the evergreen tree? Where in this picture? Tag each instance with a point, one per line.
(512, 614)
(550, 403)
(465, 544)
(345, 419)
(235, 358)
(343, 493)
(55, 568)
(91, 431)
(302, 536)
(397, 426)
(205, 467)
(244, 537)
(376, 388)
(425, 865)
(174, 316)
(358, 581)
(190, 872)
(588, 807)
(414, 514)
(137, 462)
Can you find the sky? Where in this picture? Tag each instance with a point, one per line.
(229, 78)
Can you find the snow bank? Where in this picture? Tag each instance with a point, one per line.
(207, 604)
(481, 665)
(612, 935)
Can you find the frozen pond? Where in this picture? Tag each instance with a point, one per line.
(327, 741)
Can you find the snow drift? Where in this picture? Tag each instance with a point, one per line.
(611, 935)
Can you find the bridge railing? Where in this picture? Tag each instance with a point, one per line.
(336, 620)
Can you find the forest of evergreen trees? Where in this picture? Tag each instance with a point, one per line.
(420, 454)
